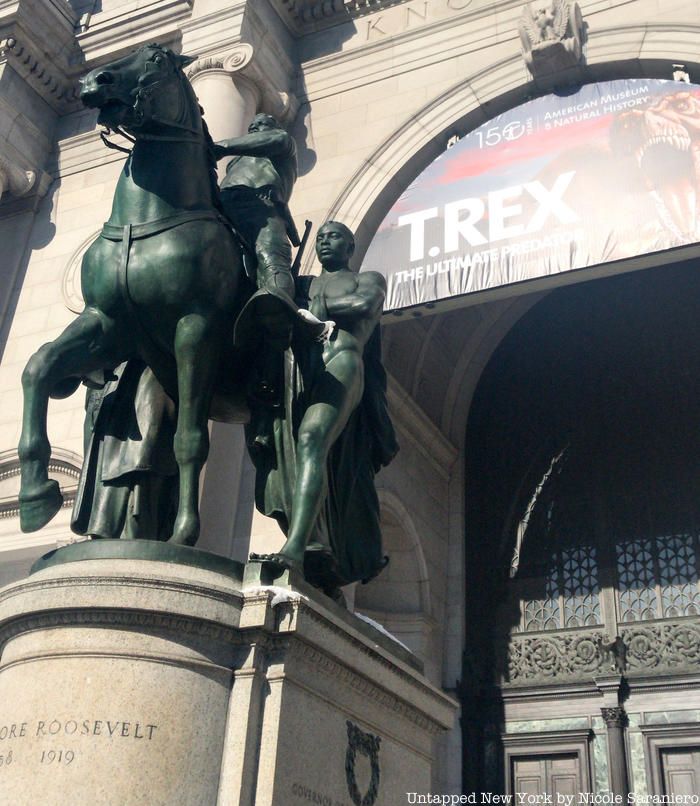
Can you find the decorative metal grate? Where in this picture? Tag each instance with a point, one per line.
(543, 614)
(658, 578)
(572, 593)
(581, 591)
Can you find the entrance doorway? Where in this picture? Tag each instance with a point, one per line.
(547, 775)
(681, 770)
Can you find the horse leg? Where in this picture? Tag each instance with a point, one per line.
(196, 357)
(81, 348)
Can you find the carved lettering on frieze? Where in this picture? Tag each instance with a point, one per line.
(307, 794)
(419, 12)
(374, 29)
(67, 738)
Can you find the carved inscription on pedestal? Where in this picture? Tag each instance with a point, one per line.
(59, 742)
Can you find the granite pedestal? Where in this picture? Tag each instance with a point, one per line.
(135, 674)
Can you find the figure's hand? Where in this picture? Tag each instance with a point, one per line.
(219, 152)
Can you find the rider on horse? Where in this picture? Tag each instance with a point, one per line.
(255, 196)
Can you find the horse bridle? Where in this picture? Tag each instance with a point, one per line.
(143, 96)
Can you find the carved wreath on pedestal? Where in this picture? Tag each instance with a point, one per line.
(367, 745)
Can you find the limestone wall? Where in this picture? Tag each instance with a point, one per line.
(371, 98)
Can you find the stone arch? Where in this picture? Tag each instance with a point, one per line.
(637, 50)
(400, 597)
(627, 51)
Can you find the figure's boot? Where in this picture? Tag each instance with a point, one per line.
(280, 284)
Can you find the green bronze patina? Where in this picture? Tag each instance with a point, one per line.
(159, 351)
(333, 433)
(140, 550)
(162, 284)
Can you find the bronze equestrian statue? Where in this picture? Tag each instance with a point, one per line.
(191, 304)
(162, 284)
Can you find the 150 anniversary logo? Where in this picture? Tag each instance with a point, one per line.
(557, 184)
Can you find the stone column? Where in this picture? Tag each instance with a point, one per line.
(232, 88)
(616, 722)
(229, 99)
(612, 687)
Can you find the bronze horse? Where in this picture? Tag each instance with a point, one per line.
(162, 283)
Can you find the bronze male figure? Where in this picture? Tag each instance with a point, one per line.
(255, 196)
(334, 433)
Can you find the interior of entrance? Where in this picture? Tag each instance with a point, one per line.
(583, 523)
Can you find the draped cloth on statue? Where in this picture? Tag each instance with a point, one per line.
(128, 484)
(346, 544)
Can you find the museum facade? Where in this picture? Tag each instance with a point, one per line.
(527, 184)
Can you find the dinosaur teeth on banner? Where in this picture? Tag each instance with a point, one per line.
(557, 184)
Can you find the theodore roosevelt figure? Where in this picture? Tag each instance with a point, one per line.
(255, 196)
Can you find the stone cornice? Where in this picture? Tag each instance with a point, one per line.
(327, 643)
(47, 79)
(300, 14)
(131, 25)
(81, 153)
(37, 41)
(212, 34)
(309, 16)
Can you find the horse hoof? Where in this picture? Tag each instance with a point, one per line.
(37, 509)
(185, 535)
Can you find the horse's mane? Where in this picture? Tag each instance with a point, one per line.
(208, 140)
(211, 162)
(179, 62)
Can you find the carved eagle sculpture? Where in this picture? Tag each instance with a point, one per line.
(551, 34)
(545, 22)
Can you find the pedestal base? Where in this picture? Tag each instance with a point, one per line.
(127, 681)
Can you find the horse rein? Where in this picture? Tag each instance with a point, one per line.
(143, 94)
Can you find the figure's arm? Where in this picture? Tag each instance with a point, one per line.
(256, 144)
(365, 302)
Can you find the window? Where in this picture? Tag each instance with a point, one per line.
(571, 593)
(658, 577)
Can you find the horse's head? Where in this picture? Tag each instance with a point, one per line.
(141, 92)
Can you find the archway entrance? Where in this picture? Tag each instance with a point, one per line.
(583, 523)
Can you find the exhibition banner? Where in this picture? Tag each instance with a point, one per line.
(560, 183)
